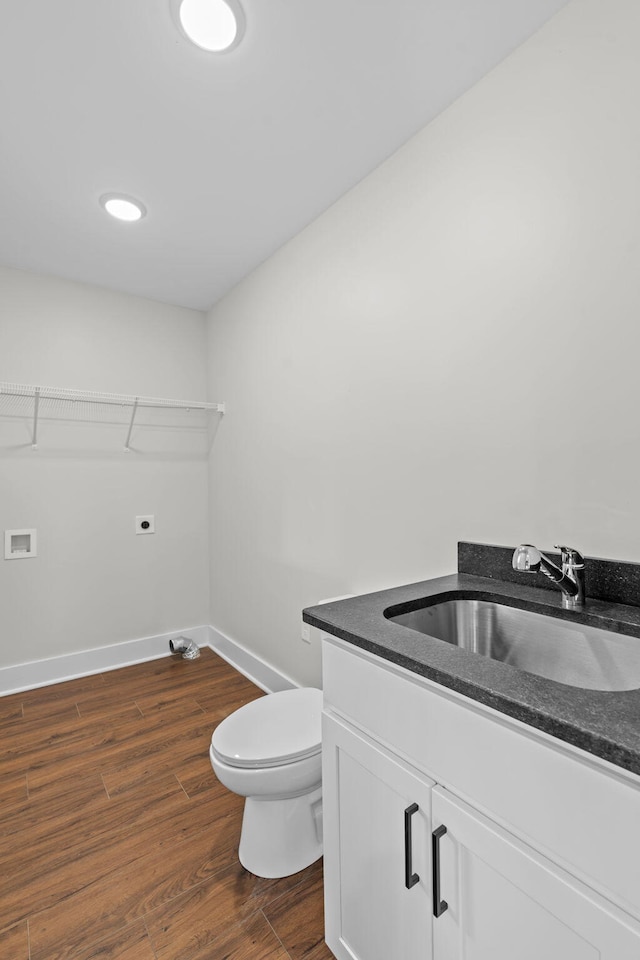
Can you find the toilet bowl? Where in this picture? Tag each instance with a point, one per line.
(269, 751)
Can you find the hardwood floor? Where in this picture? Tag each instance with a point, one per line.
(116, 840)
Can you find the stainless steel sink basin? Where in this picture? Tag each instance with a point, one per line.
(572, 653)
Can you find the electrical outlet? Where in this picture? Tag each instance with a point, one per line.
(145, 525)
(306, 633)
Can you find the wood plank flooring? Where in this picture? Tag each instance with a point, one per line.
(116, 840)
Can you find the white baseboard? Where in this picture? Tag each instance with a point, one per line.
(69, 666)
(250, 664)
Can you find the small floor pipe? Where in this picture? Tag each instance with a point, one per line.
(188, 648)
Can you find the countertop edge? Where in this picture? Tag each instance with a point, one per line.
(570, 714)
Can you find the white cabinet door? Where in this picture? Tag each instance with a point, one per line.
(377, 851)
(504, 901)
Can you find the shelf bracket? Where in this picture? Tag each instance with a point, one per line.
(36, 408)
(133, 416)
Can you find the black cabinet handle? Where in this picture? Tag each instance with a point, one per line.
(439, 906)
(410, 878)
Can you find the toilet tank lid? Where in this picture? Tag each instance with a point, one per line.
(279, 728)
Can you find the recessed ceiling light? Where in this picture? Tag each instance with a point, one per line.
(123, 208)
(213, 25)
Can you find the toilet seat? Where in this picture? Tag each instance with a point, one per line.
(275, 730)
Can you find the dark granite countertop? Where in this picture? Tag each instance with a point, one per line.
(604, 723)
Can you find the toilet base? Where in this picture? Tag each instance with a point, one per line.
(281, 837)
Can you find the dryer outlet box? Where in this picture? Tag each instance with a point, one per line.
(145, 524)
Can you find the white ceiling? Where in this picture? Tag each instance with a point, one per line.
(232, 154)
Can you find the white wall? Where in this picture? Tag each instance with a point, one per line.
(450, 352)
(94, 582)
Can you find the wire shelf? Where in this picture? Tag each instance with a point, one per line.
(58, 403)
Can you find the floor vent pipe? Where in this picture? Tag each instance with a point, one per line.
(188, 649)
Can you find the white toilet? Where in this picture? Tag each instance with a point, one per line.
(269, 751)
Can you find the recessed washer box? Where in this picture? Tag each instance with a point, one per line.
(20, 544)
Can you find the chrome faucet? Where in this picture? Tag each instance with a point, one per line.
(570, 579)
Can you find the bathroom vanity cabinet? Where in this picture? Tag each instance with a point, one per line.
(452, 831)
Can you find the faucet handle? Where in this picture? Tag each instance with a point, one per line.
(570, 556)
(526, 558)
